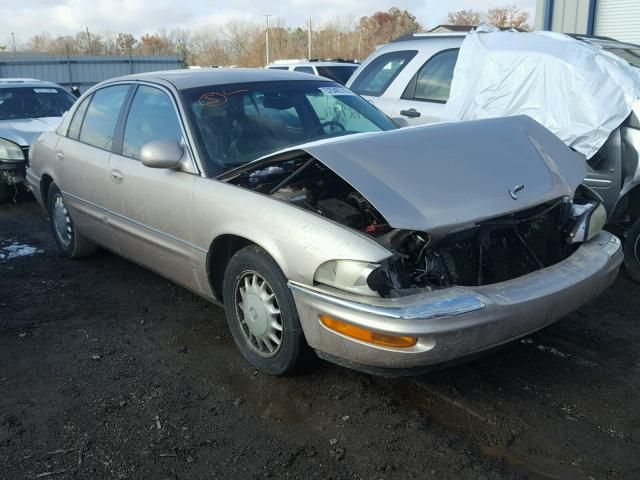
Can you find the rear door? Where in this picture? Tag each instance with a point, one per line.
(426, 94)
(82, 158)
(149, 208)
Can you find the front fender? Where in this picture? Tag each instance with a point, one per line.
(298, 240)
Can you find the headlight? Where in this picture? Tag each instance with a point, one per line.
(591, 217)
(10, 152)
(348, 275)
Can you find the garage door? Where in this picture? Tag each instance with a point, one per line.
(619, 19)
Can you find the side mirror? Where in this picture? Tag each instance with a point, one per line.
(161, 154)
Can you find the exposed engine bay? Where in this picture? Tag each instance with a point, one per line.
(482, 253)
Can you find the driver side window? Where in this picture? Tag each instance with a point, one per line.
(331, 109)
(152, 116)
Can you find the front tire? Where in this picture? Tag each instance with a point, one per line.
(261, 312)
(70, 242)
(632, 252)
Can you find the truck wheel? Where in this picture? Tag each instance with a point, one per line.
(261, 312)
(70, 242)
(4, 192)
(632, 251)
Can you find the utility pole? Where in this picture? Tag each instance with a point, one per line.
(267, 36)
(13, 39)
(309, 38)
(89, 41)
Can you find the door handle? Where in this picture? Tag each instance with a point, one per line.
(59, 155)
(116, 176)
(411, 113)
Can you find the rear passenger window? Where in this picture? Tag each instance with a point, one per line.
(76, 121)
(305, 70)
(152, 116)
(378, 75)
(100, 121)
(433, 81)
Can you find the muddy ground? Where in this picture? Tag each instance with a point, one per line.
(108, 371)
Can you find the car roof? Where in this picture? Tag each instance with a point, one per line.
(183, 79)
(25, 82)
(317, 64)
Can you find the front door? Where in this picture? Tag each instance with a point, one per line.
(424, 98)
(149, 208)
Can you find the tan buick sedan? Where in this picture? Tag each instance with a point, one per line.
(317, 223)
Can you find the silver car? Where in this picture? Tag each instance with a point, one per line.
(28, 107)
(316, 223)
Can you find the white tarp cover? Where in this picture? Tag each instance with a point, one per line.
(578, 91)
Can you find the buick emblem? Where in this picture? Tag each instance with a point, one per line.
(513, 192)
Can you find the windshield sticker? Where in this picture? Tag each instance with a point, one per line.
(45, 90)
(336, 91)
(216, 99)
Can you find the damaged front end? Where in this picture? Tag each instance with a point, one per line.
(483, 253)
(489, 252)
(443, 223)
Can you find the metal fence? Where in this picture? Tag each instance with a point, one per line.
(80, 70)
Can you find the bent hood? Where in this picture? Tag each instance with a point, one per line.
(438, 178)
(24, 130)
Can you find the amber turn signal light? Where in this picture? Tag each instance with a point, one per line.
(365, 335)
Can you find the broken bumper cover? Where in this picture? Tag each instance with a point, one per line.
(457, 322)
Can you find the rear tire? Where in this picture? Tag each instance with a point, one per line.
(261, 313)
(70, 242)
(632, 252)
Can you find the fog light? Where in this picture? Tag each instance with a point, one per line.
(365, 335)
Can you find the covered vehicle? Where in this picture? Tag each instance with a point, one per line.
(316, 222)
(28, 107)
(586, 90)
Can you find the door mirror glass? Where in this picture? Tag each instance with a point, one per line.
(161, 154)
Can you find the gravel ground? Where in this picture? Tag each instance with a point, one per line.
(108, 371)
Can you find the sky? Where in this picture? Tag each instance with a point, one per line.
(61, 17)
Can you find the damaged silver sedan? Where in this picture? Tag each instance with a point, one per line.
(317, 223)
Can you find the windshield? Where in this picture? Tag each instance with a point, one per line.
(631, 55)
(236, 124)
(33, 102)
(338, 74)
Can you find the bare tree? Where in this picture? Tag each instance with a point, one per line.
(510, 16)
(464, 17)
(125, 43)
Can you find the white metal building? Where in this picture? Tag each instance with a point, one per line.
(619, 19)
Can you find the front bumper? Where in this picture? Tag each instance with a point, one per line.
(460, 321)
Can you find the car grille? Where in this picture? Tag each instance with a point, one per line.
(508, 247)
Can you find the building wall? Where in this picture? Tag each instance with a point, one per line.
(79, 70)
(569, 16)
(619, 19)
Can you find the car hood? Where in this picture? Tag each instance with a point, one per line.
(443, 177)
(23, 130)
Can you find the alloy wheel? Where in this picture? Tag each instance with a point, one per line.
(258, 314)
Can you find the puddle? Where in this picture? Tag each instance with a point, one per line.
(16, 250)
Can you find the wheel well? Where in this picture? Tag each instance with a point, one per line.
(629, 204)
(45, 181)
(220, 252)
